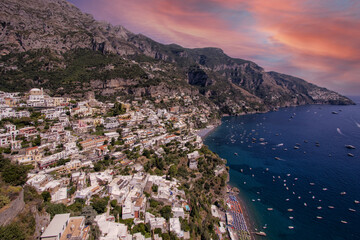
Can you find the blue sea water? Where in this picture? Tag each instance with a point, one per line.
(303, 179)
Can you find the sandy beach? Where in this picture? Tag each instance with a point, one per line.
(203, 133)
(244, 210)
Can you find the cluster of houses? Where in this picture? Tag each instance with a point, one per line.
(74, 136)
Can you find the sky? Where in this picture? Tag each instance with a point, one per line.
(317, 40)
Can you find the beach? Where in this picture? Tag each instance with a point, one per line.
(203, 133)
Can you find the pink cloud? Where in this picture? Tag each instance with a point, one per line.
(317, 39)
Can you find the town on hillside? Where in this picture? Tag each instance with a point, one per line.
(126, 169)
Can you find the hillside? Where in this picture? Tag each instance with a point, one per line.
(52, 44)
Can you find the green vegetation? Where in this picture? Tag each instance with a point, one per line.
(12, 173)
(99, 204)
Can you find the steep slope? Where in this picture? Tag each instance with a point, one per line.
(41, 42)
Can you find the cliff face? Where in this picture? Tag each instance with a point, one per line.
(49, 34)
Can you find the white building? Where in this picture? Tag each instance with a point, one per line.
(56, 227)
(178, 212)
(175, 227)
(111, 230)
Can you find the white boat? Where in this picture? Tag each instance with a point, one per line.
(262, 234)
(291, 227)
(349, 146)
(319, 217)
(343, 193)
(356, 202)
(344, 222)
(352, 210)
(270, 209)
(319, 207)
(331, 207)
(290, 210)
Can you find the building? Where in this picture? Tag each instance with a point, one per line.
(64, 227)
(76, 229)
(192, 157)
(111, 230)
(175, 227)
(92, 143)
(178, 212)
(56, 227)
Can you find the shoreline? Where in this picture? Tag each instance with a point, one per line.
(244, 208)
(204, 133)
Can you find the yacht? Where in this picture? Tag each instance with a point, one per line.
(349, 146)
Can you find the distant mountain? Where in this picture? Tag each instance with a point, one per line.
(52, 44)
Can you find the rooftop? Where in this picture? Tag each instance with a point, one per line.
(56, 226)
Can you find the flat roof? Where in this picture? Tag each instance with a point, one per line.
(56, 225)
(74, 228)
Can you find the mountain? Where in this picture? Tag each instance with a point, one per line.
(52, 44)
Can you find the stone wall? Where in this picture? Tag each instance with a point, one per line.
(9, 212)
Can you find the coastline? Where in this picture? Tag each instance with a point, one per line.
(204, 133)
(244, 208)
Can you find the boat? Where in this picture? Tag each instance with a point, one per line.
(334, 112)
(235, 154)
(312, 184)
(350, 155)
(270, 209)
(290, 210)
(349, 146)
(296, 147)
(280, 144)
(331, 207)
(305, 204)
(319, 207)
(262, 234)
(291, 227)
(319, 217)
(277, 158)
(352, 210)
(344, 222)
(324, 189)
(291, 217)
(356, 202)
(343, 193)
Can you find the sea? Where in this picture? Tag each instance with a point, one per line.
(295, 175)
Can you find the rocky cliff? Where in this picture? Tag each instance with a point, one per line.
(51, 43)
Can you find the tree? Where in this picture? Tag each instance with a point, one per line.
(172, 171)
(46, 196)
(15, 174)
(37, 141)
(4, 200)
(166, 212)
(54, 209)
(99, 204)
(89, 213)
(113, 203)
(12, 231)
(155, 188)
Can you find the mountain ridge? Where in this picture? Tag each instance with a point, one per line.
(234, 85)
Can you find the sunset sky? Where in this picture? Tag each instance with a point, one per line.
(318, 40)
